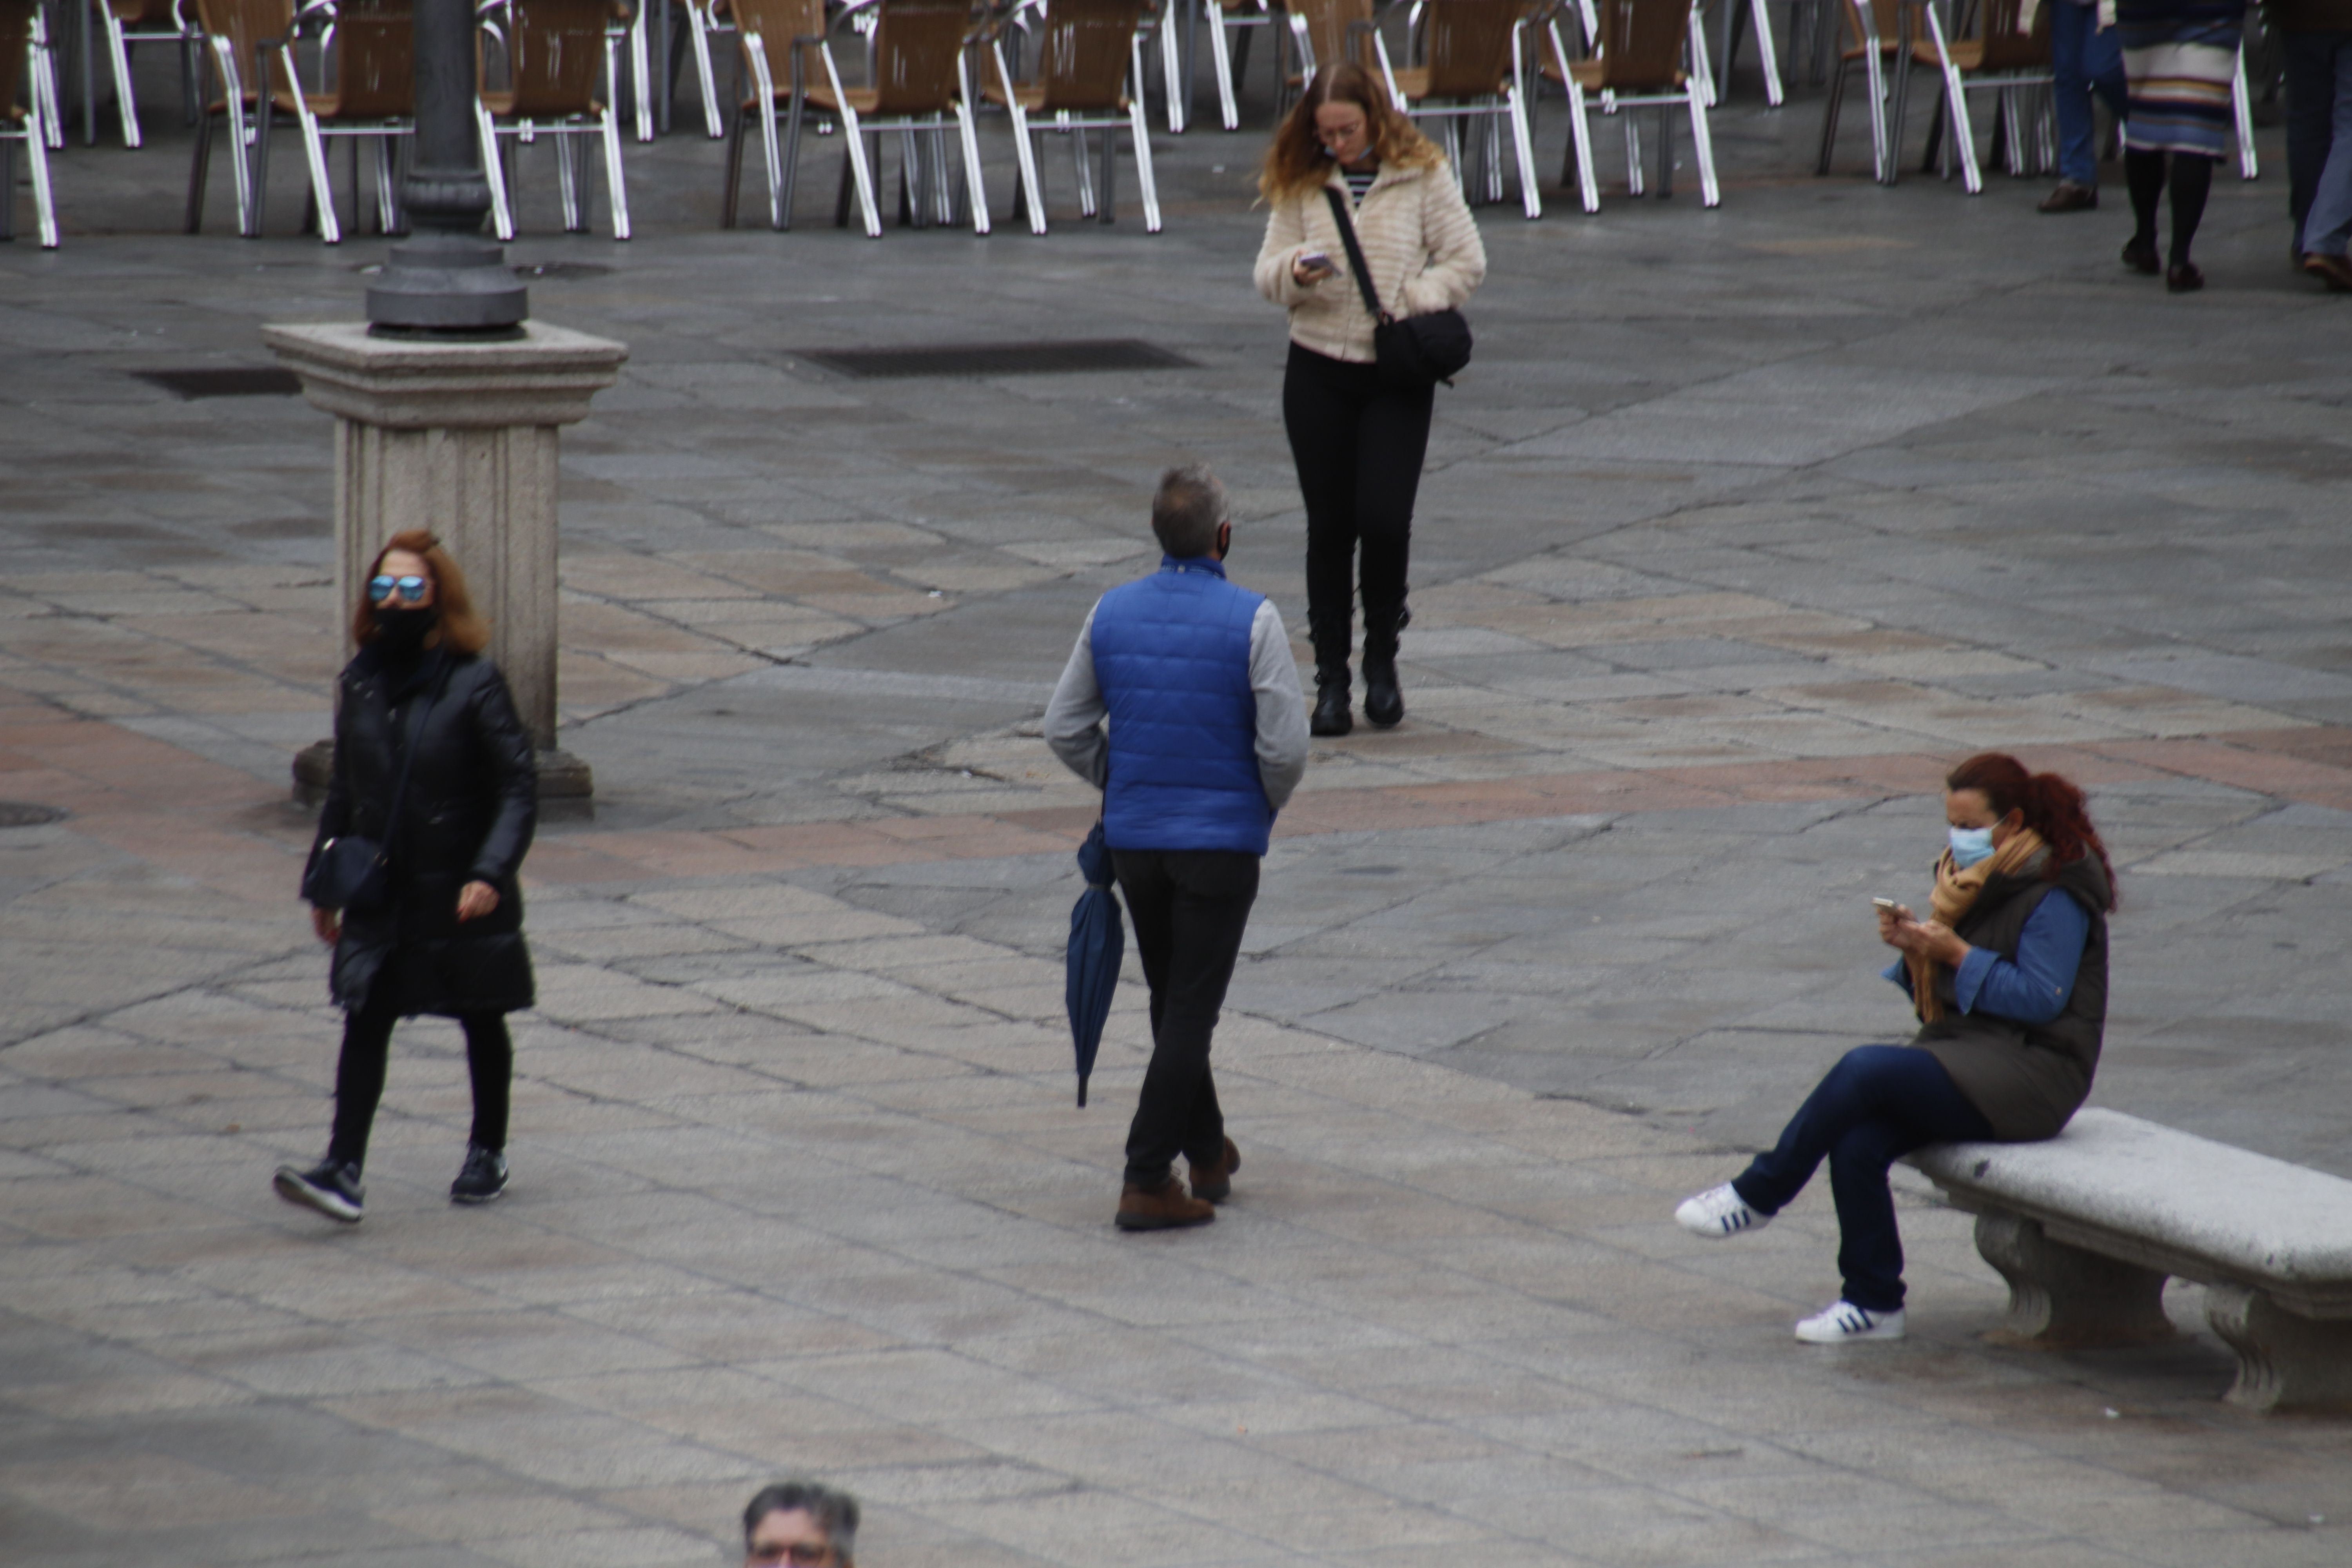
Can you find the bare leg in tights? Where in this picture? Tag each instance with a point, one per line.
(2191, 178)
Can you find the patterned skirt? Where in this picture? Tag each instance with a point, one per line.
(2180, 64)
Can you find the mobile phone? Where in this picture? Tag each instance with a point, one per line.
(1887, 904)
(1316, 261)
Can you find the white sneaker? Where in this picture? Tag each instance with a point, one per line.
(1719, 1212)
(1842, 1322)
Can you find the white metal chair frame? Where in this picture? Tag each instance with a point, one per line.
(41, 72)
(40, 112)
(1067, 123)
(382, 132)
(1221, 24)
(606, 126)
(702, 21)
(1695, 94)
(862, 15)
(1956, 89)
(1510, 105)
(119, 39)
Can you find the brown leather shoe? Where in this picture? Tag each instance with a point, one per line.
(1163, 1207)
(1215, 1183)
(2070, 198)
(2336, 271)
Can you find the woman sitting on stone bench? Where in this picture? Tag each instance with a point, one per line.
(2008, 978)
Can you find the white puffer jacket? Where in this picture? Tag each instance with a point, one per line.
(1418, 239)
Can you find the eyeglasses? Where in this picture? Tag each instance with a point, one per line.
(412, 590)
(798, 1553)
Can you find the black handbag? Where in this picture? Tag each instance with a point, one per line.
(1417, 351)
(352, 871)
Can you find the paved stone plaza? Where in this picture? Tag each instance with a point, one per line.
(1744, 524)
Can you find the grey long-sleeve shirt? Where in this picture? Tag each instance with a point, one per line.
(1074, 719)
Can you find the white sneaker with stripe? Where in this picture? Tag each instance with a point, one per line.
(1719, 1212)
(1841, 1322)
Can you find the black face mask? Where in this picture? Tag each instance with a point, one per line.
(400, 633)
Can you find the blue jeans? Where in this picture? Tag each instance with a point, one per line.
(2083, 58)
(2319, 139)
(1878, 1104)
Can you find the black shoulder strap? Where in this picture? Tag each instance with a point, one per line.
(1355, 254)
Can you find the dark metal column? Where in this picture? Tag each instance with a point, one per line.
(447, 279)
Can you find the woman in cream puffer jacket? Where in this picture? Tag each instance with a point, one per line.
(1358, 442)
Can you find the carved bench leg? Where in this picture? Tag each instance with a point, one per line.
(2284, 1362)
(2063, 1297)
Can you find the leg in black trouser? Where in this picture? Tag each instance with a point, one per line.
(1189, 908)
(359, 1073)
(1359, 447)
(1878, 1104)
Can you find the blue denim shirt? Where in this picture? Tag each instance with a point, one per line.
(2033, 990)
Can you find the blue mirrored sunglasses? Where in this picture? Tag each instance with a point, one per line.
(410, 589)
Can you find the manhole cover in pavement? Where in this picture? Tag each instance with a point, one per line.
(28, 814)
(226, 381)
(1002, 359)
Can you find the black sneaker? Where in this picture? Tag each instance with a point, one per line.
(483, 1177)
(332, 1186)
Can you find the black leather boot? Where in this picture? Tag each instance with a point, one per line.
(1330, 718)
(1384, 700)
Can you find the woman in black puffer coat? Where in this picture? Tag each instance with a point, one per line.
(447, 940)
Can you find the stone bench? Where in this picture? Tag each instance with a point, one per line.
(2087, 1227)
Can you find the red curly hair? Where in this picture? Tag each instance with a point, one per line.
(2052, 806)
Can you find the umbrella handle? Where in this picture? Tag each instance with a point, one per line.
(1082, 1094)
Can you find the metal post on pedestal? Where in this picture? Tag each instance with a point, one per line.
(448, 281)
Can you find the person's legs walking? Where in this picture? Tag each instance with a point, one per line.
(489, 1062)
(2144, 173)
(359, 1082)
(1206, 915)
(2309, 59)
(2191, 180)
(2327, 227)
(1321, 403)
(1392, 442)
(2071, 27)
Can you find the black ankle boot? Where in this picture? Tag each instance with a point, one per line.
(1383, 701)
(1330, 717)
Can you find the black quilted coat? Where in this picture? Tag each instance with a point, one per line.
(471, 806)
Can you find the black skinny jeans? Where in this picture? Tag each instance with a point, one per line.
(1189, 908)
(1359, 447)
(1876, 1105)
(358, 1077)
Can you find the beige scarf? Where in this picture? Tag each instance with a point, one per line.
(1955, 895)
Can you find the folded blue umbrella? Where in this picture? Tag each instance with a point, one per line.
(1097, 946)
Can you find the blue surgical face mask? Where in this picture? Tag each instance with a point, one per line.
(1970, 845)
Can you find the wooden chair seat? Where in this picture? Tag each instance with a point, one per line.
(1031, 97)
(500, 103)
(1593, 77)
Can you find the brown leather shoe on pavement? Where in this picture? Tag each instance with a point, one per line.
(2070, 198)
(2336, 271)
(1161, 1208)
(1215, 1183)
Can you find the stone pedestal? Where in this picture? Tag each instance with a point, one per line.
(460, 439)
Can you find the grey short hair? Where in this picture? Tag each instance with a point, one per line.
(1187, 510)
(836, 1513)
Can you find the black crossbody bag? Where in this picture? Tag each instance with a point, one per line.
(352, 871)
(1417, 351)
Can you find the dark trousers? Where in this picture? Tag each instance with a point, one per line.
(1359, 447)
(2084, 59)
(1189, 908)
(2318, 111)
(1876, 1105)
(359, 1078)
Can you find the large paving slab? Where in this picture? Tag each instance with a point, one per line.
(1745, 525)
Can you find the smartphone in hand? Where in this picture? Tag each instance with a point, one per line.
(1316, 262)
(1889, 905)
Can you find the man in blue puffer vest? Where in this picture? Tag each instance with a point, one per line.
(1208, 738)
